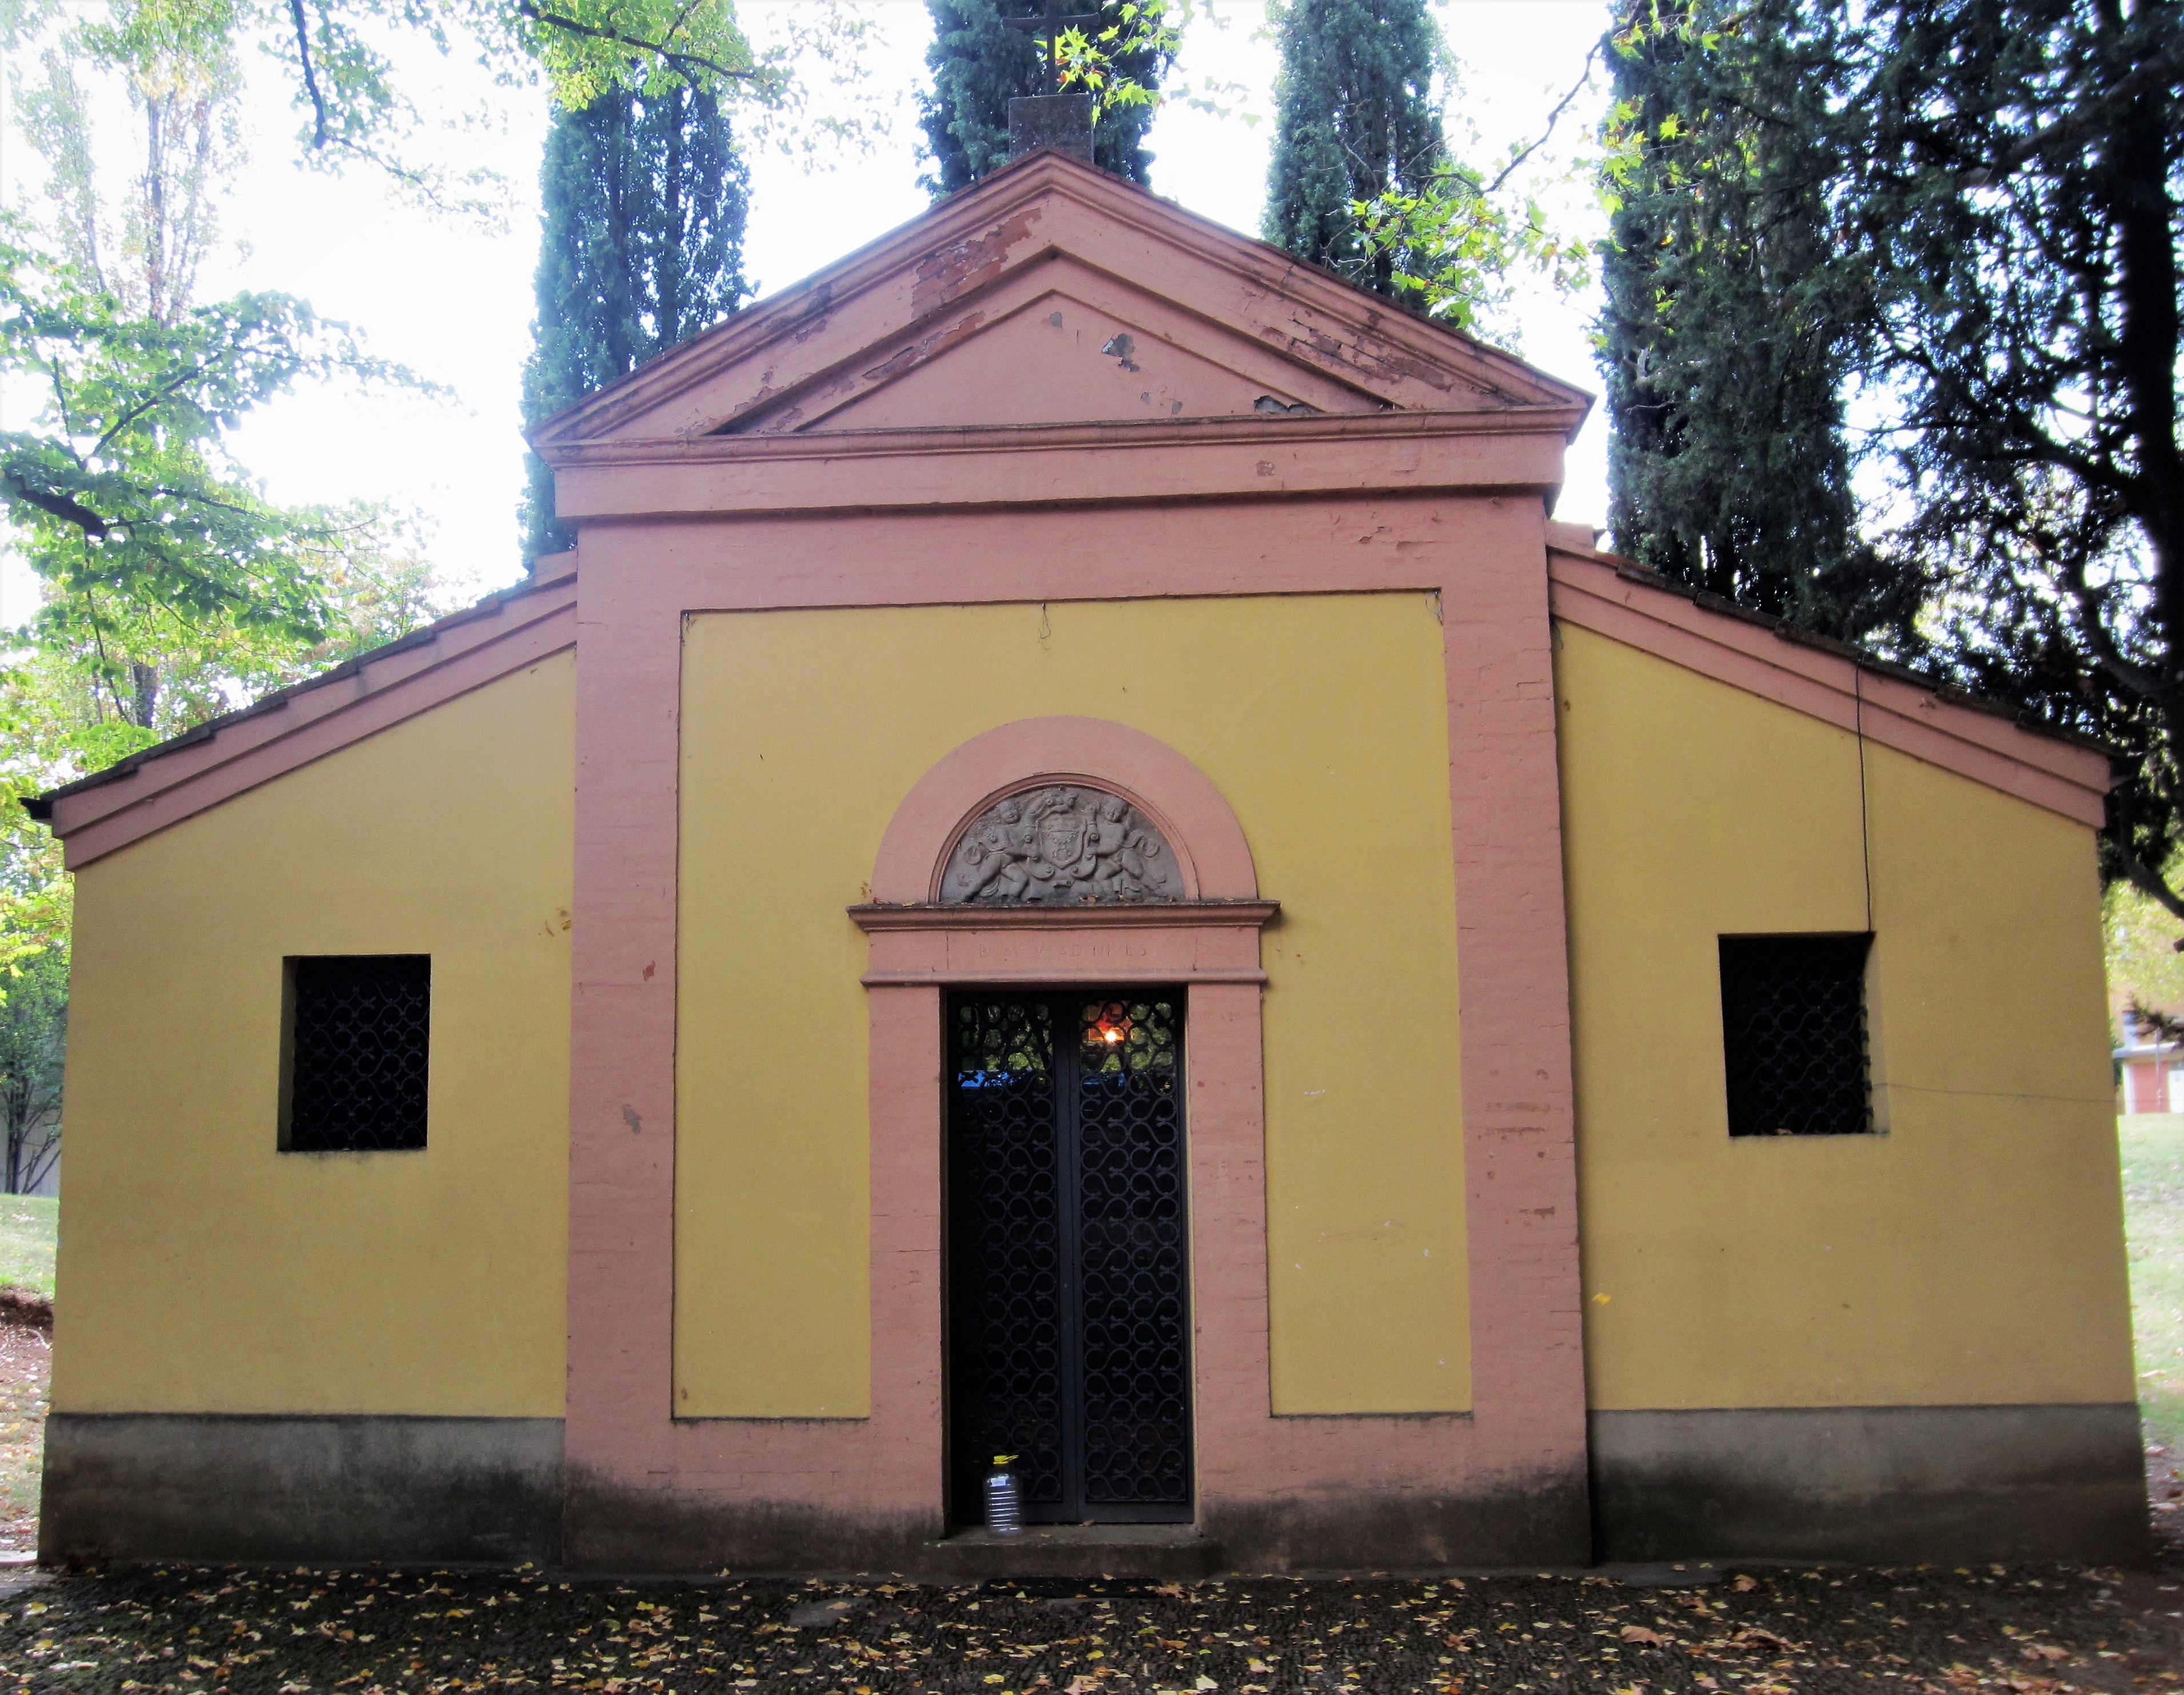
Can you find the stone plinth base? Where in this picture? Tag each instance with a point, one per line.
(1166, 1553)
(1060, 121)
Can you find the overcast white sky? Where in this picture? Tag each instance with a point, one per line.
(453, 299)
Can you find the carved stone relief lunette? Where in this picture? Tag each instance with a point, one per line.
(1061, 845)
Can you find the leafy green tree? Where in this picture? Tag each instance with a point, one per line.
(642, 248)
(1355, 121)
(355, 106)
(1966, 215)
(342, 59)
(37, 906)
(118, 305)
(133, 673)
(1728, 335)
(37, 901)
(1366, 179)
(122, 488)
(180, 91)
(979, 63)
(33, 1041)
(2015, 182)
(2143, 965)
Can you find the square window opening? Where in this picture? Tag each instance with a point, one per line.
(355, 1052)
(1793, 1028)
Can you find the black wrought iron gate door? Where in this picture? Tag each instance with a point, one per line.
(1068, 1338)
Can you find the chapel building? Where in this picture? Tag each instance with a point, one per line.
(1075, 865)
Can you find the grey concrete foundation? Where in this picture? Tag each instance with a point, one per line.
(1872, 1484)
(1885, 1484)
(190, 1486)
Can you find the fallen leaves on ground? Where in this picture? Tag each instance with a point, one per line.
(378, 1632)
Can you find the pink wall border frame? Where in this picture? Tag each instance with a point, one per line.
(1505, 1482)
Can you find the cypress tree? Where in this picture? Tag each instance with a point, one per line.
(1730, 324)
(1353, 119)
(641, 247)
(979, 63)
(2013, 184)
(1970, 213)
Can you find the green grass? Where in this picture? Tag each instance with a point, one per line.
(2153, 1213)
(26, 1242)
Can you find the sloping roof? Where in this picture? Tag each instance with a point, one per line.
(226, 756)
(1042, 260)
(1828, 680)
(1051, 243)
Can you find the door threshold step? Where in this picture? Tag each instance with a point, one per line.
(1166, 1553)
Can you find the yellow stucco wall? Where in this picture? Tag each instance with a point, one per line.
(202, 1270)
(1971, 1254)
(1321, 719)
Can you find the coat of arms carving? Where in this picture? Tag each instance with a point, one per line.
(1061, 846)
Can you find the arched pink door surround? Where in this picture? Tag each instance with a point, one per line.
(1211, 935)
(1180, 798)
(1206, 943)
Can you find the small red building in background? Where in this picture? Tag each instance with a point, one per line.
(2149, 1068)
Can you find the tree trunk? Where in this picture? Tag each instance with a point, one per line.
(146, 700)
(155, 214)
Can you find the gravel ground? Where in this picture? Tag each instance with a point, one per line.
(1761, 1632)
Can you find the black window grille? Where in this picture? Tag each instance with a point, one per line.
(359, 1052)
(1793, 1035)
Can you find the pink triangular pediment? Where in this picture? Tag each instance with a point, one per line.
(1062, 345)
(1027, 300)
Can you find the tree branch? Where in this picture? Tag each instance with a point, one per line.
(684, 62)
(320, 134)
(1584, 82)
(59, 506)
(2069, 132)
(2149, 883)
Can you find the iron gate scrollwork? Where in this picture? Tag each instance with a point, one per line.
(1068, 1291)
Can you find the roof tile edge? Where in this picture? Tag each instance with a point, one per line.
(500, 633)
(1976, 738)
